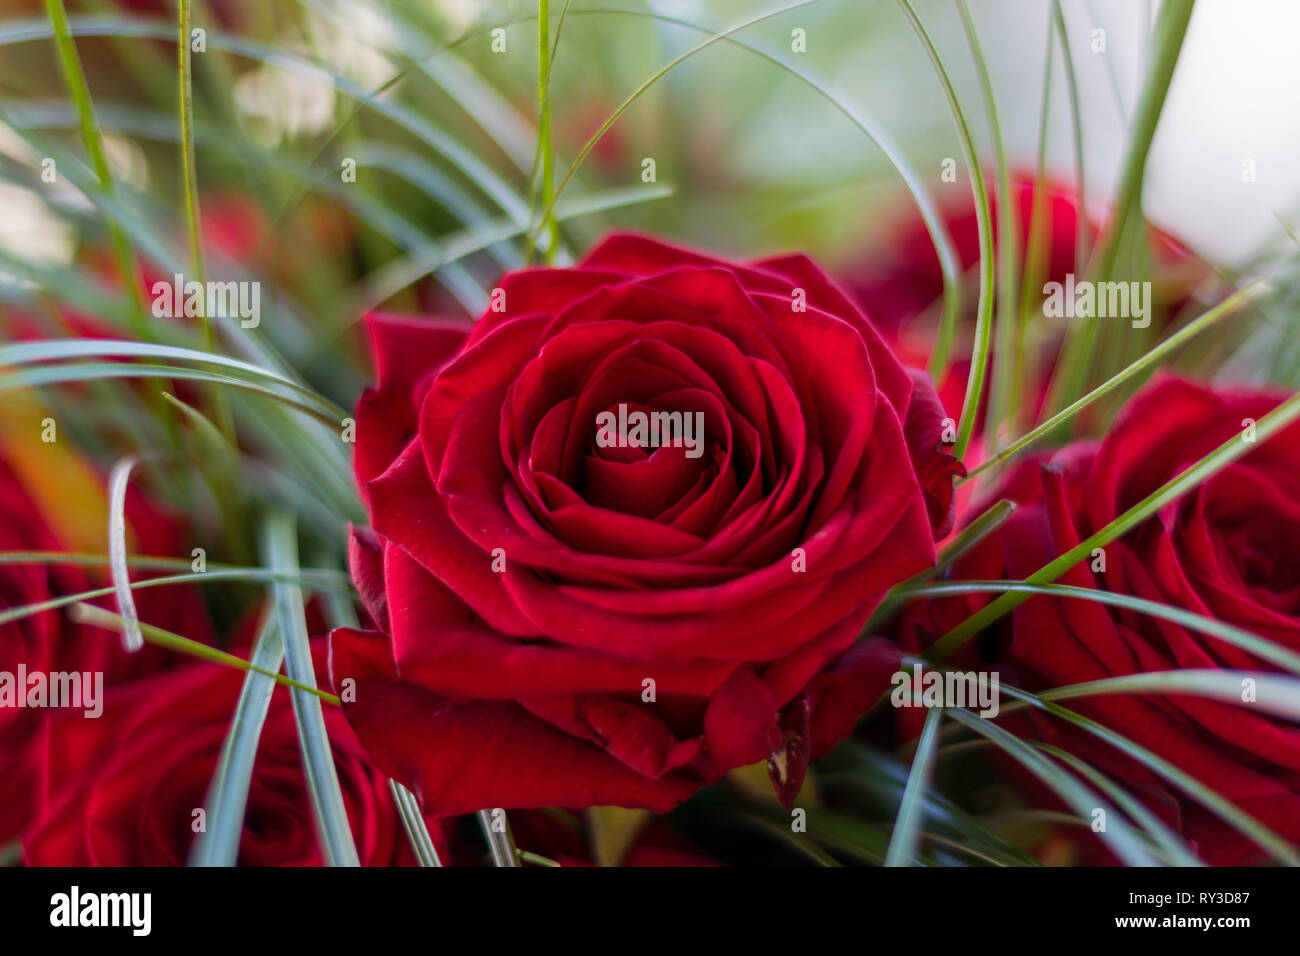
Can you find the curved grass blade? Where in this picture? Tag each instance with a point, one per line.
(948, 261)
(984, 310)
(1264, 649)
(965, 539)
(64, 374)
(1273, 693)
(1243, 822)
(1225, 454)
(280, 551)
(227, 796)
(1120, 838)
(1177, 852)
(29, 352)
(310, 577)
(117, 479)
(904, 840)
(1007, 249)
(17, 613)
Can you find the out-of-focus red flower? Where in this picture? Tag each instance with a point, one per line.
(1229, 551)
(122, 790)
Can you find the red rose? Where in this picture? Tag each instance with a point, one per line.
(900, 284)
(1228, 550)
(122, 788)
(731, 580)
(48, 642)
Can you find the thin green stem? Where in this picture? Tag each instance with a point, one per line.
(984, 310)
(1076, 118)
(75, 78)
(645, 85)
(549, 225)
(1081, 343)
(98, 617)
(1007, 250)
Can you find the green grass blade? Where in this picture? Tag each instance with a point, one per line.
(63, 374)
(1151, 359)
(1243, 822)
(413, 822)
(227, 797)
(98, 617)
(1251, 643)
(499, 839)
(280, 552)
(117, 481)
(75, 78)
(340, 613)
(18, 612)
(1225, 454)
(1008, 245)
(1120, 838)
(1275, 694)
(1081, 343)
(548, 226)
(1176, 850)
(984, 309)
(905, 838)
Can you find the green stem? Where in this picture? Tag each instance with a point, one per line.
(98, 617)
(1076, 118)
(1006, 253)
(75, 77)
(1082, 341)
(190, 176)
(984, 311)
(548, 225)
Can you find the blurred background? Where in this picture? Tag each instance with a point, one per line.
(361, 154)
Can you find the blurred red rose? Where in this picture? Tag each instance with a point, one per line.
(121, 789)
(48, 641)
(900, 285)
(566, 624)
(1229, 550)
